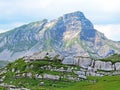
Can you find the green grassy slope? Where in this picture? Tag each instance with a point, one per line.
(34, 67)
(20, 67)
(102, 83)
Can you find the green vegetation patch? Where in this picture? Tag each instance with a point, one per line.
(113, 58)
(95, 83)
(3, 88)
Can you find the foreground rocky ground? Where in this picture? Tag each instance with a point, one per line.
(35, 73)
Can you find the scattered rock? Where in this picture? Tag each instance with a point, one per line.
(13, 69)
(52, 77)
(29, 75)
(82, 76)
(42, 84)
(38, 76)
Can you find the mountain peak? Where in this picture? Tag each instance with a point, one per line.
(74, 14)
(77, 21)
(70, 35)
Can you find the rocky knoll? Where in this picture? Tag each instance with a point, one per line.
(27, 73)
(37, 71)
(69, 35)
(88, 66)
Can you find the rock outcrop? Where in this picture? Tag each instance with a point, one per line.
(88, 66)
(91, 67)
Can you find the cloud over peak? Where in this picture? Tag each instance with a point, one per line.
(112, 31)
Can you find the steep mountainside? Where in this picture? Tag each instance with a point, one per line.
(70, 35)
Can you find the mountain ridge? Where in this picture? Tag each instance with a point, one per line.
(70, 35)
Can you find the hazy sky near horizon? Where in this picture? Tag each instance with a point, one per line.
(104, 14)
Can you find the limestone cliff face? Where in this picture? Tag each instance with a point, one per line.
(93, 67)
(70, 35)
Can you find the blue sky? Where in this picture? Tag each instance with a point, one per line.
(104, 14)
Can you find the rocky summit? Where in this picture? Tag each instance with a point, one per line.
(71, 35)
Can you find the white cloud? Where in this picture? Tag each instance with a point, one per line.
(2, 31)
(97, 11)
(98, 8)
(112, 31)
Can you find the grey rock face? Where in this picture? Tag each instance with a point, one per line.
(84, 62)
(80, 73)
(117, 66)
(68, 60)
(100, 65)
(90, 67)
